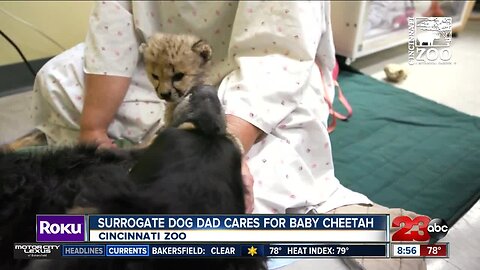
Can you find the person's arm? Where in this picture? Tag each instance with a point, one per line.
(247, 134)
(103, 96)
(274, 47)
(111, 56)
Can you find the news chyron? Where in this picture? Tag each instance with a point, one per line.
(276, 236)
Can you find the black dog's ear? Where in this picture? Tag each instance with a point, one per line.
(200, 110)
(206, 111)
(203, 49)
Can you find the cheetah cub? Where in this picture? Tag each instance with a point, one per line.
(174, 65)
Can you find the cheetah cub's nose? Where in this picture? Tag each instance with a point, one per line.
(166, 96)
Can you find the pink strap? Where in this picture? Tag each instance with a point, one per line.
(341, 98)
(345, 104)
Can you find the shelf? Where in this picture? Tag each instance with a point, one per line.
(383, 42)
(349, 19)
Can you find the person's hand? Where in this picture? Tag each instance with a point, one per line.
(96, 137)
(248, 185)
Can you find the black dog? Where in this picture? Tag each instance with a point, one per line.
(193, 171)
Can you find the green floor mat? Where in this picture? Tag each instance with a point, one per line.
(402, 150)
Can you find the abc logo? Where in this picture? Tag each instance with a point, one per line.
(437, 228)
(432, 230)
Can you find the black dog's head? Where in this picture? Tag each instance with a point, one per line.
(193, 167)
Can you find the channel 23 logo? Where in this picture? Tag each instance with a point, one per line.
(432, 230)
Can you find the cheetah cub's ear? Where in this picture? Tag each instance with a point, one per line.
(202, 48)
(148, 51)
(142, 47)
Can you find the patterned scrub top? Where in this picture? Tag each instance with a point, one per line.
(263, 59)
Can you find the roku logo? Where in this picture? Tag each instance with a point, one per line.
(46, 227)
(61, 228)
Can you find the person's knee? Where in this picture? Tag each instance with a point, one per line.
(41, 78)
(47, 75)
(59, 69)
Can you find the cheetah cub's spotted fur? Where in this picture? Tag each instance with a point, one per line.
(174, 65)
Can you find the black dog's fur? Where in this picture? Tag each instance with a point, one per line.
(183, 172)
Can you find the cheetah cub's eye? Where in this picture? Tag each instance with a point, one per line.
(155, 76)
(178, 76)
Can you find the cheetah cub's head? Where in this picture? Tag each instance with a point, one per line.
(175, 63)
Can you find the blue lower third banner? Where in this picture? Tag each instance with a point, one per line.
(225, 250)
(237, 229)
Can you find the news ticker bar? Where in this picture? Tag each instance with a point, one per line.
(52, 251)
(213, 228)
(417, 250)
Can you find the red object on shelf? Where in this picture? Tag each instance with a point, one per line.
(435, 10)
(439, 250)
(401, 21)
